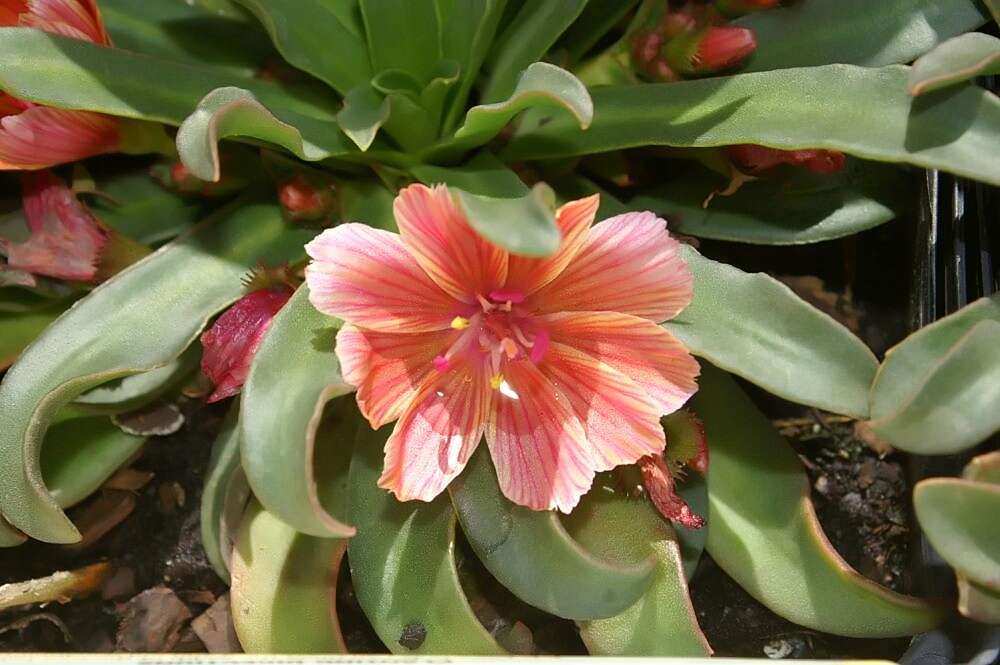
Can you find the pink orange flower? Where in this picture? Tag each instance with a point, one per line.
(34, 136)
(230, 344)
(66, 239)
(759, 158)
(558, 361)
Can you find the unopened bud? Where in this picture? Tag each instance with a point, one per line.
(711, 50)
(750, 157)
(306, 199)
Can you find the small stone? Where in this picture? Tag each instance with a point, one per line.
(852, 502)
(822, 485)
(777, 649)
(866, 473)
(414, 634)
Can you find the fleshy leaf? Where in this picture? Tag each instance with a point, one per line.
(403, 566)
(284, 587)
(771, 542)
(138, 390)
(364, 112)
(959, 517)
(234, 112)
(596, 20)
(525, 225)
(19, 329)
(74, 74)
(532, 555)
(978, 602)
(484, 174)
(324, 38)
(540, 86)
(138, 207)
(754, 326)
(107, 336)
(872, 116)
(856, 32)
(937, 390)
(955, 61)
(220, 477)
(524, 41)
(403, 35)
(626, 530)
(295, 374)
(791, 208)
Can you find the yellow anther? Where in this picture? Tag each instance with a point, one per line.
(460, 323)
(509, 347)
(495, 381)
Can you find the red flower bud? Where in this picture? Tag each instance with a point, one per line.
(232, 341)
(679, 22)
(178, 178)
(662, 490)
(711, 50)
(305, 199)
(759, 158)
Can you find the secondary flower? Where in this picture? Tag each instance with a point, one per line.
(66, 240)
(232, 341)
(758, 158)
(306, 199)
(686, 448)
(34, 136)
(558, 361)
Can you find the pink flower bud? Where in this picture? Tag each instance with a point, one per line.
(723, 47)
(232, 341)
(305, 199)
(759, 158)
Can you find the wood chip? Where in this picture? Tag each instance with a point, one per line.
(215, 628)
(60, 587)
(157, 419)
(129, 479)
(96, 518)
(152, 622)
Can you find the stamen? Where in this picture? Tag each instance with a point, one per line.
(459, 323)
(509, 347)
(495, 381)
(501, 295)
(521, 337)
(440, 363)
(485, 304)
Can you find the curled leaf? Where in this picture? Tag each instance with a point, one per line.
(954, 61)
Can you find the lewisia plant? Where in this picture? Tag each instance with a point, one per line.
(447, 269)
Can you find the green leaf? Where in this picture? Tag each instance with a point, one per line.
(19, 329)
(283, 589)
(532, 555)
(234, 112)
(525, 225)
(977, 602)
(141, 209)
(184, 31)
(364, 112)
(80, 453)
(765, 535)
(403, 566)
(484, 175)
(856, 32)
(694, 491)
(74, 74)
(110, 334)
(870, 115)
(540, 86)
(757, 328)
(994, 8)
(596, 20)
(955, 61)
(132, 392)
(937, 390)
(536, 27)
(9, 536)
(960, 519)
(221, 476)
(790, 207)
(403, 35)
(627, 530)
(324, 38)
(294, 375)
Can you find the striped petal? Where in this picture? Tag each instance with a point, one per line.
(438, 235)
(621, 423)
(537, 443)
(387, 368)
(436, 436)
(628, 264)
(76, 19)
(10, 12)
(638, 348)
(526, 275)
(39, 137)
(367, 277)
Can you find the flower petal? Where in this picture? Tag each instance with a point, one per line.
(69, 18)
(436, 436)
(10, 12)
(367, 277)
(663, 493)
(438, 235)
(638, 348)
(39, 137)
(628, 264)
(526, 275)
(537, 443)
(621, 423)
(387, 368)
(66, 239)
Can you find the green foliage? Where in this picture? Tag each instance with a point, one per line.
(954, 61)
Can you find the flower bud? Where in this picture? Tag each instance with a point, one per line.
(306, 199)
(711, 50)
(232, 341)
(759, 158)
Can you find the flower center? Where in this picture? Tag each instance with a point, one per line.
(500, 331)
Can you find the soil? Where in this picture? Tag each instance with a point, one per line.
(861, 499)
